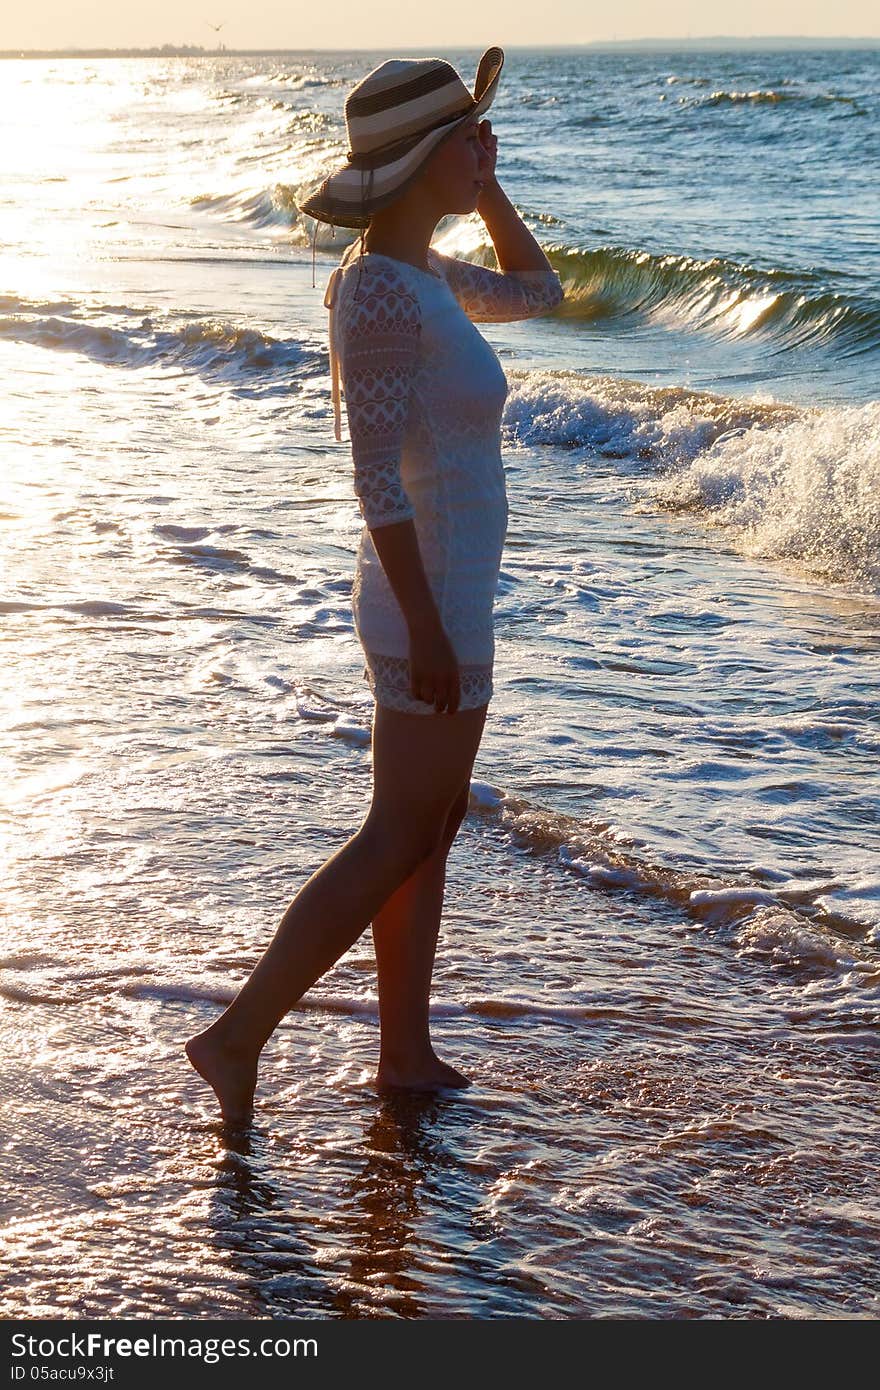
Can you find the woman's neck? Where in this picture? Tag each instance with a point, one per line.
(407, 253)
(404, 236)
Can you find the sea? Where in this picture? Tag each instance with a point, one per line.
(660, 955)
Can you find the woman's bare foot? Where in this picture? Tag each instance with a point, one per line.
(428, 1075)
(231, 1074)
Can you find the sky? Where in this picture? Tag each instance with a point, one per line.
(426, 29)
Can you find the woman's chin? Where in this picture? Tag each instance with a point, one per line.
(463, 205)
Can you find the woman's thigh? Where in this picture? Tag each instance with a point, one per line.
(420, 764)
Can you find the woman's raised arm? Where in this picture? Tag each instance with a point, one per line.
(496, 296)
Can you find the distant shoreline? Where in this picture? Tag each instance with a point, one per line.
(677, 45)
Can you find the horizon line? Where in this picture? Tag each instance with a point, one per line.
(184, 48)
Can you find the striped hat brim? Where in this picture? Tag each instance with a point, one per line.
(350, 194)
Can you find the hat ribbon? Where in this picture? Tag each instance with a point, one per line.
(361, 159)
(330, 297)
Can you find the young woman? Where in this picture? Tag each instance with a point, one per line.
(424, 394)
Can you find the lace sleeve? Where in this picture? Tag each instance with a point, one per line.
(379, 334)
(495, 296)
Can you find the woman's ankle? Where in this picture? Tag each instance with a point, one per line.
(406, 1056)
(224, 1035)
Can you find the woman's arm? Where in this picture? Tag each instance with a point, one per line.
(381, 330)
(514, 244)
(397, 546)
(499, 296)
(525, 283)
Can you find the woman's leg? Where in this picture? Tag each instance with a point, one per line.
(419, 763)
(405, 932)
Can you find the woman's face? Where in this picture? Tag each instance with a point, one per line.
(452, 174)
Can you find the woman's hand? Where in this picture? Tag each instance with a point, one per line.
(434, 674)
(489, 153)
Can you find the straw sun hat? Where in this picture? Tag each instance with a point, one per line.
(395, 117)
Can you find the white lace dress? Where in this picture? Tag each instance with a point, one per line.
(424, 397)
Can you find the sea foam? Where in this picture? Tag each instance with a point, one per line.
(785, 482)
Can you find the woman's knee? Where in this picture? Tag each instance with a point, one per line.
(457, 812)
(402, 842)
